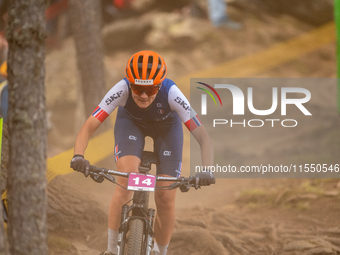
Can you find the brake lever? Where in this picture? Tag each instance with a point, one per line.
(108, 176)
(96, 177)
(185, 188)
(194, 182)
(175, 185)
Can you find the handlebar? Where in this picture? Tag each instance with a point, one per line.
(179, 182)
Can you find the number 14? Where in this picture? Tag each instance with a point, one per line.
(147, 181)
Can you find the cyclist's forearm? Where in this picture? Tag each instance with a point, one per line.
(84, 135)
(207, 153)
(207, 149)
(81, 143)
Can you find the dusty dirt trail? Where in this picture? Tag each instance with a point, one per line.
(235, 216)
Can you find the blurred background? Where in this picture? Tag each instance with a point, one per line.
(183, 34)
(254, 38)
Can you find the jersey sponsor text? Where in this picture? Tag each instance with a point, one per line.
(114, 96)
(182, 103)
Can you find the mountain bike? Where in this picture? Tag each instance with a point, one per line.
(136, 229)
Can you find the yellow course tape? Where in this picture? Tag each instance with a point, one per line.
(101, 146)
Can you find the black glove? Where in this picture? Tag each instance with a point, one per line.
(204, 179)
(79, 164)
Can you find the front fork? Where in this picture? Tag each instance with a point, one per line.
(148, 232)
(122, 230)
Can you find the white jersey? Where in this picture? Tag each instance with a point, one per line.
(169, 98)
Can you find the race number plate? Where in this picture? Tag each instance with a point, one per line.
(141, 182)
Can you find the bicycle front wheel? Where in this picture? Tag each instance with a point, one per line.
(134, 244)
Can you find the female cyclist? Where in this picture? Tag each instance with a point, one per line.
(148, 104)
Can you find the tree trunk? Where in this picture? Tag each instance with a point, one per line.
(3, 186)
(27, 199)
(85, 22)
(3, 241)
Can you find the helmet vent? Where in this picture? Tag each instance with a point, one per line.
(140, 66)
(132, 69)
(159, 64)
(150, 61)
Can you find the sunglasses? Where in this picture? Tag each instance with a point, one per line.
(149, 90)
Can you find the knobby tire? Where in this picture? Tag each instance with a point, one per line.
(135, 239)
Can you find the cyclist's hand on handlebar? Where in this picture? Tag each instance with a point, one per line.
(204, 179)
(79, 164)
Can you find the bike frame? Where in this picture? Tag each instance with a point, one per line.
(140, 205)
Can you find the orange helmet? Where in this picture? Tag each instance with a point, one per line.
(146, 68)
